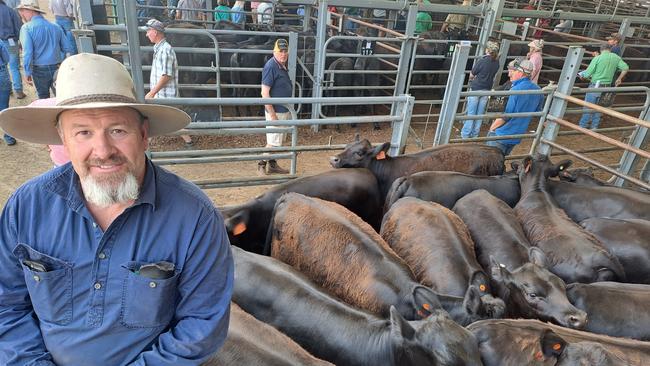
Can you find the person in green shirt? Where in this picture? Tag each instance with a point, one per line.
(600, 72)
(222, 11)
(423, 21)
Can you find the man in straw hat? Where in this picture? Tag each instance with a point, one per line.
(109, 259)
(519, 71)
(276, 83)
(44, 43)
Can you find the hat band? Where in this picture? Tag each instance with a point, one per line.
(93, 98)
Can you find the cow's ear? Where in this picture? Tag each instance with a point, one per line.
(481, 281)
(238, 223)
(380, 152)
(536, 256)
(514, 165)
(499, 273)
(400, 328)
(526, 164)
(560, 167)
(357, 137)
(425, 301)
(472, 300)
(552, 344)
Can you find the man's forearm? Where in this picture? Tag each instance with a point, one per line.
(160, 84)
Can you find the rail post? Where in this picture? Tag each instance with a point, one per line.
(401, 129)
(629, 159)
(558, 105)
(452, 93)
(405, 66)
(319, 60)
(134, 49)
(492, 13)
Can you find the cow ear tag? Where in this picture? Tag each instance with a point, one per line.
(381, 155)
(239, 229)
(482, 288)
(557, 346)
(539, 355)
(426, 307)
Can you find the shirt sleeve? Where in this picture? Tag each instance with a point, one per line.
(20, 337)
(65, 42)
(592, 67)
(167, 62)
(267, 76)
(17, 23)
(202, 315)
(622, 65)
(28, 50)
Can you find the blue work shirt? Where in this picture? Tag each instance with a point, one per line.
(10, 23)
(43, 43)
(519, 104)
(90, 307)
(277, 78)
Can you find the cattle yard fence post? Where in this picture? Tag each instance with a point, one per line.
(493, 12)
(404, 109)
(503, 58)
(451, 99)
(319, 60)
(135, 61)
(558, 106)
(622, 30)
(406, 61)
(629, 159)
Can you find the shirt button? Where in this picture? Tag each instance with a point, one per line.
(102, 255)
(36, 278)
(94, 224)
(97, 285)
(152, 284)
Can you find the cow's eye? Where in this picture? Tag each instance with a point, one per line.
(532, 295)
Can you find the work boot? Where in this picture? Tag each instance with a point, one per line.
(9, 140)
(273, 168)
(261, 168)
(20, 94)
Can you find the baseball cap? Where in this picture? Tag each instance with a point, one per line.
(492, 46)
(156, 24)
(614, 36)
(522, 65)
(537, 43)
(281, 45)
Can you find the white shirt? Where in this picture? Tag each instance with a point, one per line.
(164, 63)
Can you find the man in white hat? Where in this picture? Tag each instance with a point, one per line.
(108, 259)
(43, 44)
(535, 56)
(519, 71)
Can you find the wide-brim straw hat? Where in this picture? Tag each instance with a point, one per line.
(30, 5)
(87, 81)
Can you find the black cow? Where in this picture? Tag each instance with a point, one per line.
(253, 78)
(436, 245)
(284, 298)
(582, 202)
(573, 254)
(346, 256)
(628, 240)
(518, 271)
(367, 80)
(615, 309)
(510, 342)
(356, 189)
(463, 158)
(446, 188)
(252, 342)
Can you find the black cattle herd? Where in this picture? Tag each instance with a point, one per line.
(440, 257)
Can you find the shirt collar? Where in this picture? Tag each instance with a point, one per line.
(519, 81)
(157, 46)
(66, 184)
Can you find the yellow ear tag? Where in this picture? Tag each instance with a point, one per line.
(482, 288)
(381, 155)
(426, 307)
(557, 346)
(239, 228)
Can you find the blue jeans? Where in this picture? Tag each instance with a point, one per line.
(67, 25)
(593, 116)
(505, 148)
(43, 77)
(14, 65)
(472, 127)
(5, 89)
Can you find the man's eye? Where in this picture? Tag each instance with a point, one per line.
(117, 131)
(82, 133)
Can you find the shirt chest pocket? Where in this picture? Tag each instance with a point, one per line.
(49, 282)
(147, 302)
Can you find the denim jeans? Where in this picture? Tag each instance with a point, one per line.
(5, 89)
(67, 25)
(43, 77)
(593, 116)
(475, 105)
(14, 65)
(505, 148)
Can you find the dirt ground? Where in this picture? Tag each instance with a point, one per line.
(25, 160)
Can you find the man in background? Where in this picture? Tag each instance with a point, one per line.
(63, 11)
(10, 24)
